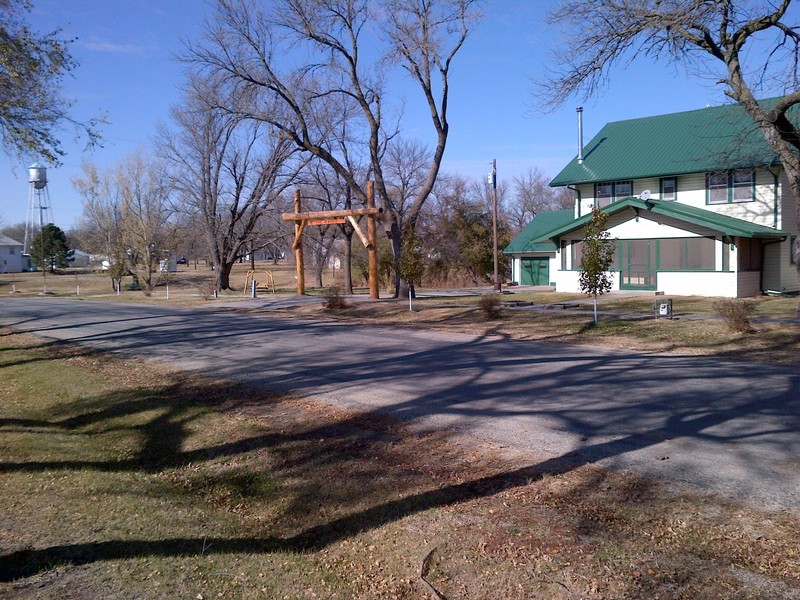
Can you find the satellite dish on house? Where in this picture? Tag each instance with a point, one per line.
(645, 195)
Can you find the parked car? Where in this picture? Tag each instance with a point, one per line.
(182, 261)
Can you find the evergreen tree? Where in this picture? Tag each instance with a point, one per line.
(56, 251)
(597, 257)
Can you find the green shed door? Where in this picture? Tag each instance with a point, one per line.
(535, 271)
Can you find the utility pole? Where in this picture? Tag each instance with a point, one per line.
(493, 181)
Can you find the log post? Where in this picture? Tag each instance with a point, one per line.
(298, 247)
(372, 247)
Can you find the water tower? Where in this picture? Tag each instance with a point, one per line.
(38, 203)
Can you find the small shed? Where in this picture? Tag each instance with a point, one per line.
(11, 258)
(532, 256)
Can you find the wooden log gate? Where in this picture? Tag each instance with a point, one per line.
(326, 217)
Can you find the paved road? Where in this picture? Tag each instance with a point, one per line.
(730, 427)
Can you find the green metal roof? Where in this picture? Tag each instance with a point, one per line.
(724, 224)
(541, 223)
(710, 139)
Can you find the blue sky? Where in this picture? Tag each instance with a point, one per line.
(126, 50)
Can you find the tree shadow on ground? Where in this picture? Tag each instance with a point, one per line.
(576, 392)
(308, 457)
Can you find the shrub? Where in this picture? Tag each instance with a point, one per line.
(489, 305)
(206, 290)
(736, 312)
(334, 299)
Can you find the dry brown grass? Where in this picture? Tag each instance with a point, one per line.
(698, 333)
(189, 284)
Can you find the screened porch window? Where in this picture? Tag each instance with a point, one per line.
(577, 254)
(687, 254)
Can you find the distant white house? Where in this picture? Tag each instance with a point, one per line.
(11, 258)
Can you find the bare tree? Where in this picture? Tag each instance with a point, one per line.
(406, 166)
(249, 48)
(531, 195)
(99, 225)
(15, 231)
(227, 170)
(325, 191)
(751, 47)
(481, 193)
(130, 206)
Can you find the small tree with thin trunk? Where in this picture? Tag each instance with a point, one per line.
(411, 265)
(596, 258)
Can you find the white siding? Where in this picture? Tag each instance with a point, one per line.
(788, 272)
(10, 259)
(515, 270)
(648, 229)
(788, 216)
(698, 284)
(772, 206)
(692, 191)
(749, 284)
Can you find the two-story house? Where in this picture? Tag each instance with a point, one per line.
(697, 205)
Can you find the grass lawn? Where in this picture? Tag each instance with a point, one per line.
(191, 283)
(121, 479)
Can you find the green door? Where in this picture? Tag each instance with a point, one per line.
(638, 265)
(535, 271)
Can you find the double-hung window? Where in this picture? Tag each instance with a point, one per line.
(726, 187)
(669, 188)
(610, 191)
(743, 183)
(717, 186)
(604, 194)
